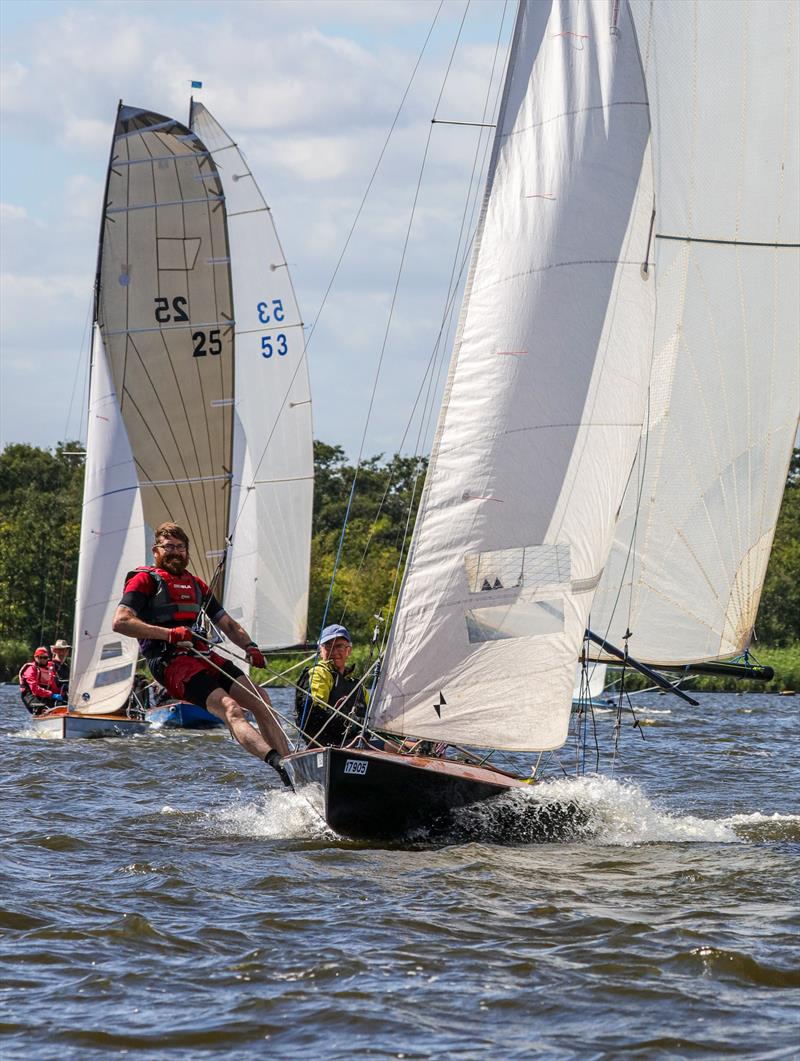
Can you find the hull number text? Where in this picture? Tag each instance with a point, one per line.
(355, 766)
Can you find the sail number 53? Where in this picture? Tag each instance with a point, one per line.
(268, 348)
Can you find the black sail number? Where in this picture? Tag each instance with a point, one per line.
(177, 313)
(212, 338)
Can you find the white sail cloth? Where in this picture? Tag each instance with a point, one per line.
(544, 401)
(112, 542)
(267, 569)
(689, 559)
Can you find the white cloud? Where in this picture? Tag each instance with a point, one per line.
(308, 88)
(10, 212)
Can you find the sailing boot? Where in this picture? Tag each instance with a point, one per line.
(274, 760)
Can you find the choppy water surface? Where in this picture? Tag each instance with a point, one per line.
(163, 897)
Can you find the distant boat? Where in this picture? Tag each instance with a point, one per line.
(633, 289)
(180, 715)
(199, 408)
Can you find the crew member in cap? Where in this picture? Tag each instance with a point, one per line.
(59, 665)
(37, 685)
(328, 684)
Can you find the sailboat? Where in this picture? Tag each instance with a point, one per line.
(199, 408)
(624, 377)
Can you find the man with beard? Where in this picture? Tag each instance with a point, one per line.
(158, 606)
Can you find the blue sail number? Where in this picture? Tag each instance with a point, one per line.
(276, 308)
(267, 348)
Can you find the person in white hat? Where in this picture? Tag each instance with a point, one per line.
(59, 665)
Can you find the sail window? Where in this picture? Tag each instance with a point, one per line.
(111, 650)
(177, 253)
(530, 567)
(520, 619)
(111, 677)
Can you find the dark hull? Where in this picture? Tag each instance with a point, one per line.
(376, 795)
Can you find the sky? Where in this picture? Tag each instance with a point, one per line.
(309, 89)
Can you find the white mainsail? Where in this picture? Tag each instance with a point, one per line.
(725, 393)
(267, 570)
(545, 398)
(112, 542)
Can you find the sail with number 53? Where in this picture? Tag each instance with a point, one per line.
(199, 356)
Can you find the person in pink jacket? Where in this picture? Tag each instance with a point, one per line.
(37, 684)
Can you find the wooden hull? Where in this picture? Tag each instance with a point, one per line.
(183, 716)
(66, 725)
(376, 795)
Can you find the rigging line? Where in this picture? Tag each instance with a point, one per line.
(374, 173)
(78, 364)
(390, 317)
(447, 320)
(475, 125)
(307, 341)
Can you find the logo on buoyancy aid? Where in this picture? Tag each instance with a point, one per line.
(177, 598)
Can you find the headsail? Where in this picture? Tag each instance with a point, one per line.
(112, 542)
(725, 394)
(165, 311)
(544, 401)
(273, 457)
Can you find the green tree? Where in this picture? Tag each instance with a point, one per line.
(40, 500)
(778, 622)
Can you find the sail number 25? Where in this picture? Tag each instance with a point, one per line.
(267, 312)
(175, 312)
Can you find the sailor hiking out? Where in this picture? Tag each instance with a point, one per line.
(159, 605)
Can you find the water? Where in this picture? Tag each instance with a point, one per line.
(163, 897)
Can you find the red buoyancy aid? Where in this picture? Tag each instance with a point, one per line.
(31, 681)
(177, 600)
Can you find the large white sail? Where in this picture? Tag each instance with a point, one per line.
(112, 542)
(691, 557)
(166, 315)
(545, 397)
(273, 458)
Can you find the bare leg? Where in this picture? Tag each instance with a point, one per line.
(224, 706)
(257, 701)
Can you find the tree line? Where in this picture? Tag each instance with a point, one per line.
(40, 505)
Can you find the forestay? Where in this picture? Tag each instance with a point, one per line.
(112, 542)
(691, 558)
(273, 459)
(166, 315)
(544, 400)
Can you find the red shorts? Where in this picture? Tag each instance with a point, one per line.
(187, 677)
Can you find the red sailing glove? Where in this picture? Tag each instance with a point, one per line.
(180, 635)
(255, 657)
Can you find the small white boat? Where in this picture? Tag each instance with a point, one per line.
(68, 725)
